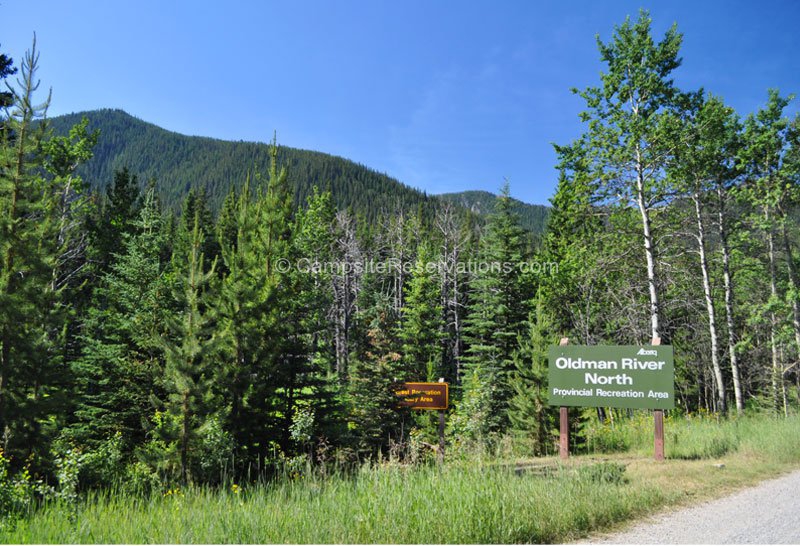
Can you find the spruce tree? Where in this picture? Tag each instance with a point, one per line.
(497, 312)
(121, 365)
(528, 409)
(421, 328)
(189, 348)
(114, 218)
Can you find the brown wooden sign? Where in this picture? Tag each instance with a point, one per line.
(423, 396)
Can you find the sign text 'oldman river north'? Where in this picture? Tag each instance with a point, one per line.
(620, 376)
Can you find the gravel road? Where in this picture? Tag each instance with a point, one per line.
(768, 513)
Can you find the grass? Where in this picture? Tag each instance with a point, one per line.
(463, 502)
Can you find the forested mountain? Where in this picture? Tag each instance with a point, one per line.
(179, 162)
(531, 217)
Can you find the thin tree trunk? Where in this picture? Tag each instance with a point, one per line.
(649, 251)
(712, 318)
(728, 284)
(787, 247)
(773, 286)
(185, 439)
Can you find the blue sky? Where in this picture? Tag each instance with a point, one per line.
(444, 96)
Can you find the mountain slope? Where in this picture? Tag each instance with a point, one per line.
(532, 217)
(178, 163)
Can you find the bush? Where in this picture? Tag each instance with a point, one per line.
(140, 480)
(215, 457)
(103, 467)
(17, 494)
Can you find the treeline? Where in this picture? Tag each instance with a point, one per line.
(150, 347)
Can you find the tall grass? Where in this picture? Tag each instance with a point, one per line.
(378, 505)
(462, 502)
(699, 436)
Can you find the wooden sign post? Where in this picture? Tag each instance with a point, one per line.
(563, 422)
(658, 423)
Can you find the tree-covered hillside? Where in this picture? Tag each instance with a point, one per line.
(178, 163)
(531, 217)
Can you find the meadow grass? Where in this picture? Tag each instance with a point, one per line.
(387, 504)
(463, 502)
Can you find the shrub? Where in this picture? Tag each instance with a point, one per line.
(103, 466)
(17, 494)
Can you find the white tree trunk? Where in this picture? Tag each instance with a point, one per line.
(728, 284)
(712, 319)
(773, 286)
(649, 253)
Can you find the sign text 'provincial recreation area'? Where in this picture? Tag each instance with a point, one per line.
(621, 376)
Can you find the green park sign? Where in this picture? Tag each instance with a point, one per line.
(618, 376)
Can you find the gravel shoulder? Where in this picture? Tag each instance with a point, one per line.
(767, 513)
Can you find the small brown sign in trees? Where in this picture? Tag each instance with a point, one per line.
(422, 396)
(426, 396)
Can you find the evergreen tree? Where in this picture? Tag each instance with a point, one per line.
(528, 409)
(33, 238)
(114, 218)
(188, 350)
(241, 317)
(121, 365)
(376, 420)
(497, 312)
(573, 235)
(421, 328)
(313, 249)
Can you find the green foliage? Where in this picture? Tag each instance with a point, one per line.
(122, 361)
(17, 494)
(41, 212)
(528, 409)
(68, 467)
(105, 465)
(216, 452)
(497, 312)
(421, 328)
(475, 422)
